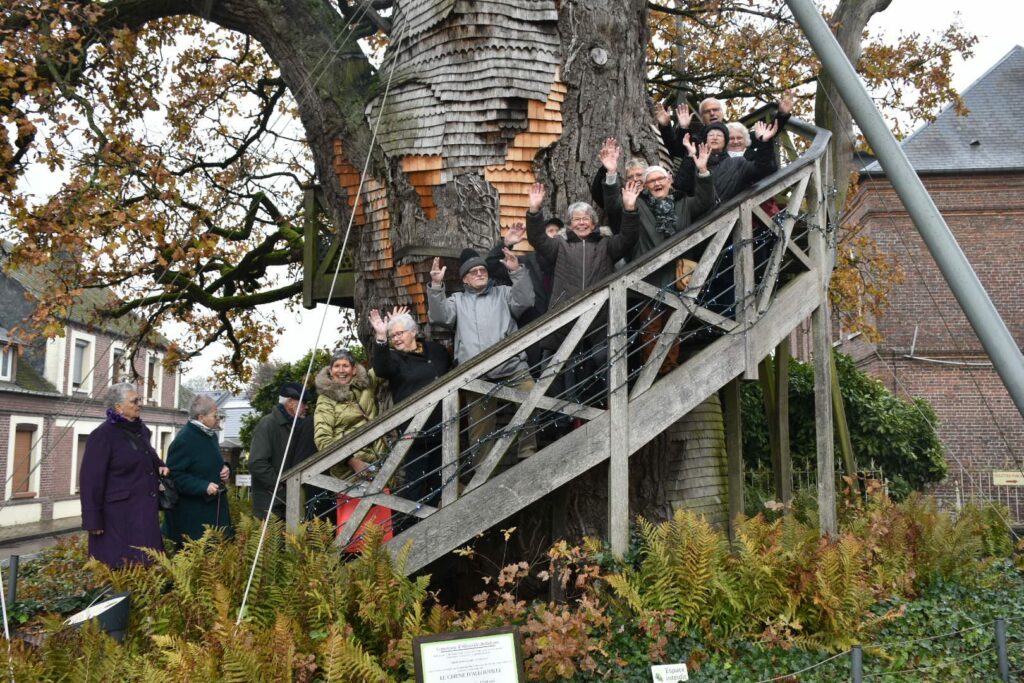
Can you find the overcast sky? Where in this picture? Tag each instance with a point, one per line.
(997, 23)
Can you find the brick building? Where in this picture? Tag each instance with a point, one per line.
(51, 397)
(973, 167)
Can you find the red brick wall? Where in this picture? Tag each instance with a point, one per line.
(979, 425)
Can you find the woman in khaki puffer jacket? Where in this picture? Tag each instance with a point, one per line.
(347, 400)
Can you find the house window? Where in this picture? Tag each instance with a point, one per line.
(82, 358)
(21, 477)
(7, 356)
(118, 373)
(154, 379)
(80, 445)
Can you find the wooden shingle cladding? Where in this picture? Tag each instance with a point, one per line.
(513, 178)
(474, 85)
(464, 75)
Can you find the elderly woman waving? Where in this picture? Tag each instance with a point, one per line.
(118, 485)
(199, 472)
(346, 400)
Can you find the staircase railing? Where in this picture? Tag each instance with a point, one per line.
(603, 392)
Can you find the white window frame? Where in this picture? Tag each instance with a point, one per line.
(56, 351)
(34, 455)
(75, 428)
(157, 432)
(8, 357)
(158, 388)
(125, 369)
(88, 363)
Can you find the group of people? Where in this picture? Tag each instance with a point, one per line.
(644, 205)
(120, 483)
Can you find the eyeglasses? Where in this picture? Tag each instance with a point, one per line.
(396, 334)
(657, 179)
(479, 270)
(135, 401)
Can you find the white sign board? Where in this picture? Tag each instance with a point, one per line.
(243, 480)
(669, 673)
(491, 656)
(1011, 478)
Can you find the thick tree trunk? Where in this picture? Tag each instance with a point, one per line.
(830, 112)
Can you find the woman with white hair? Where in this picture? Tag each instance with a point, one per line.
(409, 363)
(200, 474)
(119, 486)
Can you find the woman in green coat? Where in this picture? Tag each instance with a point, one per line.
(200, 475)
(346, 400)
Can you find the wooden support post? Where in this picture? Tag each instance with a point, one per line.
(618, 423)
(823, 419)
(732, 406)
(842, 428)
(785, 489)
(743, 265)
(292, 503)
(450, 449)
(766, 378)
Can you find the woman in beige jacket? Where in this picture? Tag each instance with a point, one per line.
(346, 400)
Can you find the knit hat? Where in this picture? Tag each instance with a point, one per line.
(468, 260)
(554, 220)
(720, 127)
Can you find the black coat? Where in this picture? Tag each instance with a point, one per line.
(408, 372)
(195, 462)
(118, 488)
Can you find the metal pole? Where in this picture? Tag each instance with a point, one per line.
(12, 580)
(975, 302)
(1004, 663)
(856, 664)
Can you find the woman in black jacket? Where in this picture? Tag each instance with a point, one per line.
(409, 364)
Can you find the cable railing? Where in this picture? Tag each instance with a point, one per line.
(604, 389)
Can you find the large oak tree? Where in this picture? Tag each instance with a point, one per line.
(161, 147)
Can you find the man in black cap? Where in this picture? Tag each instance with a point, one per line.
(483, 314)
(270, 442)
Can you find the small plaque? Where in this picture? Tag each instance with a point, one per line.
(669, 673)
(243, 480)
(1009, 478)
(488, 656)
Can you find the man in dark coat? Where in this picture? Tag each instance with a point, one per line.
(200, 474)
(269, 442)
(119, 485)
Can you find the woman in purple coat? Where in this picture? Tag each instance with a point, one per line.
(118, 484)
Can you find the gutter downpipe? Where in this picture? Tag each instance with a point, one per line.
(973, 299)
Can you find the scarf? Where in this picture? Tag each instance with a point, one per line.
(114, 417)
(664, 211)
(204, 429)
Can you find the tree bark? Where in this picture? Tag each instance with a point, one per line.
(830, 112)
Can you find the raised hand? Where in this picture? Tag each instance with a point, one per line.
(398, 310)
(765, 132)
(786, 102)
(516, 233)
(610, 154)
(437, 271)
(661, 115)
(537, 193)
(691, 149)
(700, 159)
(684, 115)
(379, 325)
(511, 261)
(630, 192)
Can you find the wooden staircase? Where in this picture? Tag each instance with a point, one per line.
(774, 297)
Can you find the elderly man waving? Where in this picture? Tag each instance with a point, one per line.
(483, 314)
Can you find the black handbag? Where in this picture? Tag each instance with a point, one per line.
(167, 494)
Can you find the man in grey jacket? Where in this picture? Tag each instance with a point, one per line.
(482, 315)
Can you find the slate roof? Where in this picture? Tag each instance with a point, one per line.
(34, 281)
(987, 139)
(26, 379)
